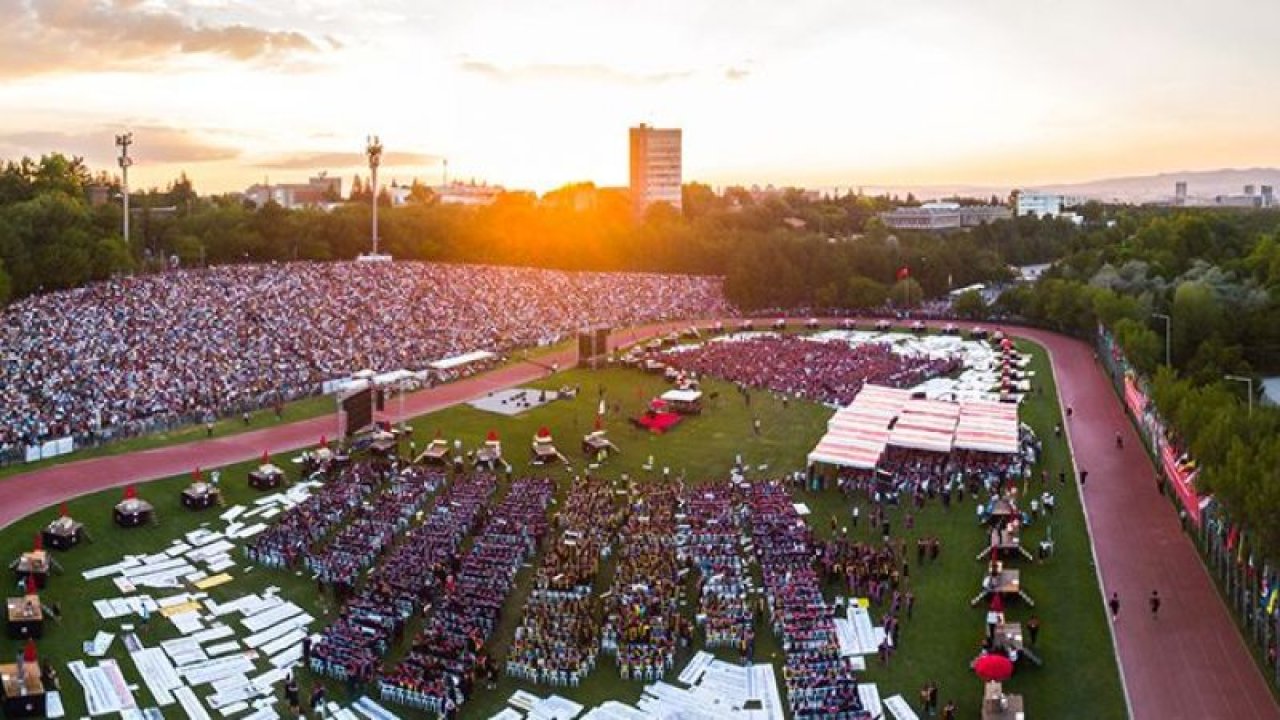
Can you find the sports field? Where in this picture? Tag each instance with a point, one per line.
(1079, 677)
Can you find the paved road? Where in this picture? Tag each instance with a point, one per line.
(1191, 663)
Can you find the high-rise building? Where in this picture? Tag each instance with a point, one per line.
(655, 167)
(1180, 192)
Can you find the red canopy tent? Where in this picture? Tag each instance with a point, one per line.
(993, 667)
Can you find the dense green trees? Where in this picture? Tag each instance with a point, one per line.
(785, 250)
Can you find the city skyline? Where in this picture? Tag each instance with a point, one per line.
(979, 92)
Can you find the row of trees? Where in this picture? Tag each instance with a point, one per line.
(1216, 276)
(788, 250)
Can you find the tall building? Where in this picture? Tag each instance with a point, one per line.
(1180, 192)
(655, 167)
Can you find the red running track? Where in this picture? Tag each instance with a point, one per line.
(1191, 663)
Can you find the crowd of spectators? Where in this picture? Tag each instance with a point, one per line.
(819, 371)
(130, 354)
(559, 637)
(425, 561)
(448, 656)
(820, 683)
(709, 542)
(643, 626)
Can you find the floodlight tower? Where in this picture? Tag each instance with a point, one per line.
(123, 142)
(373, 148)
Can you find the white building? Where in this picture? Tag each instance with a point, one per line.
(943, 216)
(655, 167)
(459, 193)
(317, 191)
(1047, 205)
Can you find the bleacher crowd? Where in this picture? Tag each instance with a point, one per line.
(135, 353)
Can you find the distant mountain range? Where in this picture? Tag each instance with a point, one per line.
(1201, 184)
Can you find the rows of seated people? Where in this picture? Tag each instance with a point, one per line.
(438, 673)
(643, 625)
(709, 541)
(559, 636)
(374, 525)
(286, 542)
(374, 617)
(830, 371)
(820, 683)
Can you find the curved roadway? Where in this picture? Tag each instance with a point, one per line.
(1191, 663)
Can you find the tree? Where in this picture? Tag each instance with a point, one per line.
(6, 285)
(1196, 317)
(907, 293)
(970, 305)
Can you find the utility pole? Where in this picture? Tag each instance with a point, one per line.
(373, 149)
(123, 142)
(1168, 335)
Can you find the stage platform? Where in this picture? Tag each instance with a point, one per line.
(514, 401)
(658, 423)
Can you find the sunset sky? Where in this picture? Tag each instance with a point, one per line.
(533, 94)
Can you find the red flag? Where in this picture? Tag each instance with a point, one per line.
(324, 441)
(904, 272)
(493, 436)
(31, 585)
(266, 459)
(195, 475)
(39, 542)
(130, 492)
(29, 653)
(63, 510)
(543, 432)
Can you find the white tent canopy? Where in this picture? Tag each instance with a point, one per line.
(460, 360)
(857, 435)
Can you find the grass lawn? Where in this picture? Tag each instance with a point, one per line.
(1079, 678)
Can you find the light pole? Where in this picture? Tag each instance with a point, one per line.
(123, 142)
(373, 148)
(1249, 382)
(1168, 334)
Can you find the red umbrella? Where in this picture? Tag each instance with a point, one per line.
(29, 653)
(993, 667)
(997, 602)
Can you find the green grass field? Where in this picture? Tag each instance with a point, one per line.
(1079, 678)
